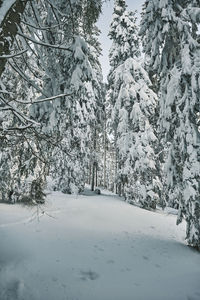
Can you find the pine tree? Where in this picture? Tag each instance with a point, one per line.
(133, 113)
(174, 47)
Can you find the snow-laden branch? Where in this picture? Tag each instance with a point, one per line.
(27, 63)
(18, 113)
(56, 8)
(44, 44)
(4, 108)
(52, 98)
(6, 92)
(26, 78)
(13, 55)
(35, 153)
(17, 128)
(45, 99)
(43, 28)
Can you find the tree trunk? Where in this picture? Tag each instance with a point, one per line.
(93, 177)
(94, 162)
(104, 158)
(90, 173)
(96, 174)
(116, 166)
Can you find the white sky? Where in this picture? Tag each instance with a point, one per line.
(104, 23)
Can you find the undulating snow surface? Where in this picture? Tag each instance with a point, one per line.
(94, 247)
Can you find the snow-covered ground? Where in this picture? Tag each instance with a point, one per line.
(94, 247)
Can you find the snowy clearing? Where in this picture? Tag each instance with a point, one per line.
(94, 247)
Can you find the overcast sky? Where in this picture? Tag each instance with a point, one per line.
(104, 23)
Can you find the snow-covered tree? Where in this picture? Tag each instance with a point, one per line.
(80, 116)
(83, 109)
(21, 161)
(71, 120)
(56, 61)
(133, 110)
(170, 34)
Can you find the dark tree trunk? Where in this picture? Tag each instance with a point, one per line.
(94, 162)
(96, 174)
(93, 177)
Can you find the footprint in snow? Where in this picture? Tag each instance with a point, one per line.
(137, 284)
(145, 257)
(89, 275)
(98, 248)
(54, 279)
(110, 261)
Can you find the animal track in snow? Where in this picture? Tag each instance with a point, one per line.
(91, 275)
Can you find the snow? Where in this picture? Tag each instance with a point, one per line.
(4, 8)
(90, 247)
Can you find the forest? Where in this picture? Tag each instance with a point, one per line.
(136, 135)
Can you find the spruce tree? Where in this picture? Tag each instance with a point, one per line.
(83, 108)
(65, 132)
(133, 112)
(173, 49)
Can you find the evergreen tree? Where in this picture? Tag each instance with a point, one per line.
(173, 49)
(133, 112)
(83, 109)
(71, 119)
(52, 69)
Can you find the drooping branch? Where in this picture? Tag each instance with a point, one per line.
(34, 41)
(13, 55)
(43, 28)
(26, 78)
(45, 99)
(22, 117)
